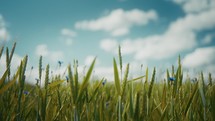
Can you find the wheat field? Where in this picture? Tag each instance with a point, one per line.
(175, 98)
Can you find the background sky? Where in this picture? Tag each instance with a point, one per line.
(150, 32)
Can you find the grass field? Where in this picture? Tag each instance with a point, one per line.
(175, 98)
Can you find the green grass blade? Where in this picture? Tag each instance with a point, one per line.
(131, 104)
(163, 101)
(173, 71)
(86, 79)
(116, 77)
(40, 67)
(21, 85)
(96, 90)
(147, 75)
(8, 63)
(3, 78)
(210, 79)
(202, 94)
(137, 107)
(168, 76)
(55, 83)
(164, 113)
(45, 97)
(120, 60)
(12, 52)
(125, 80)
(47, 77)
(135, 79)
(1, 51)
(190, 99)
(72, 85)
(76, 78)
(151, 83)
(9, 84)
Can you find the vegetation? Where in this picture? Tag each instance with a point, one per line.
(174, 98)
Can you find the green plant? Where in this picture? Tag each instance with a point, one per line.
(173, 98)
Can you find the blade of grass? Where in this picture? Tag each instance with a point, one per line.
(3, 78)
(21, 85)
(55, 83)
(76, 78)
(8, 63)
(201, 91)
(11, 53)
(151, 83)
(135, 79)
(190, 99)
(125, 80)
(40, 68)
(164, 113)
(163, 102)
(137, 107)
(120, 60)
(72, 85)
(131, 104)
(116, 77)
(9, 84)
(1, 51)
(45, 97)
(86, 80)
(96, 90)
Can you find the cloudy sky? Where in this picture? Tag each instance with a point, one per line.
(150, 32)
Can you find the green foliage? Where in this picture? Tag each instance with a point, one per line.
(125, 99)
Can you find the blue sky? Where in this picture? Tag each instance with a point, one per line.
(150, 32)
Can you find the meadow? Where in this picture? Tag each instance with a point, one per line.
(174, 98)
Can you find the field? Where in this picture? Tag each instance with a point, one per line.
(175, 98)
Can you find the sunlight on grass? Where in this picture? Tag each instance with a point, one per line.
(70, 98)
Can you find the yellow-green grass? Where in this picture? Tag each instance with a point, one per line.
(126, 99)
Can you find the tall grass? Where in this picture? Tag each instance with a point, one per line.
(137, 99)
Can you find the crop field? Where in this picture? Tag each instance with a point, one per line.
(175, 98)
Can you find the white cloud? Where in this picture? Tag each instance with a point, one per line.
(4, 34)
(195, 6)
(109, 45)
(68, 32)
(67, 36)
(118, 22)
(106, 72)
(180, 36)
(42, 50)
(69, 41)
(200, 57)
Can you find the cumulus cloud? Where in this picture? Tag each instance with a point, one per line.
(42, 50)
(199, 57)
(180, 36)
(118, 22)
(195, 6)
(68, 35)
(4, 34)
(109, 45)
(68, 32)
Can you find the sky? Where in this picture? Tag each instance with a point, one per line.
(151, 33)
